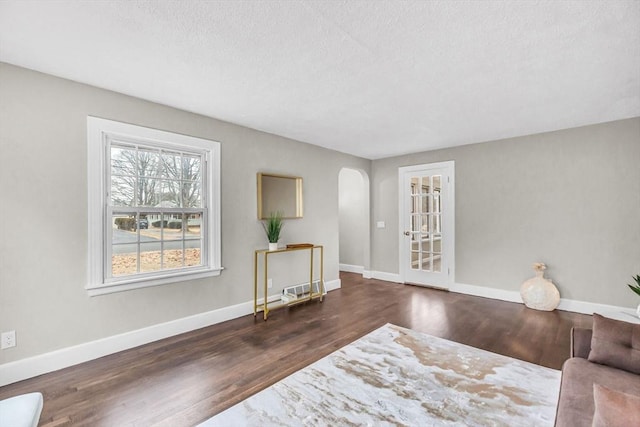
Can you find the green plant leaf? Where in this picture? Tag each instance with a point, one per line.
(272, 226)
(635, 288)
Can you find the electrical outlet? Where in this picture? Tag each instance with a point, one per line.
(269, 283)
(8, 339)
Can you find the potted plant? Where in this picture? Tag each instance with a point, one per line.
(272, 226)
(636, 289)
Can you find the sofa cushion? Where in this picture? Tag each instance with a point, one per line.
(576, 405)
(615, 343)
(615, 409)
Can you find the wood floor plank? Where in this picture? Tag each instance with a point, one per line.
(183, 380)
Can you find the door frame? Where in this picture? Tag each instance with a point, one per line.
(448, 221)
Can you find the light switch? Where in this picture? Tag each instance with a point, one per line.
(380, 224)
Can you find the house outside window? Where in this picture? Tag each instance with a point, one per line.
(154, 207)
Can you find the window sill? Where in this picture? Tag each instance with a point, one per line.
(145, 282)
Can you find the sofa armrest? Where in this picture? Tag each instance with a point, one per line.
(580, 342)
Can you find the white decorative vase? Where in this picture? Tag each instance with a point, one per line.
(638, 310)
(539, 293)
(273, 246)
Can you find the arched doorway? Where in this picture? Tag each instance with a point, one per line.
(354, 211)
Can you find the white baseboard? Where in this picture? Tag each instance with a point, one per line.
(367, 274)
(351, 268)
(387, 277)
(332, 285)
(48, 362)
(586, 307)
(575, 306)
(485, 292)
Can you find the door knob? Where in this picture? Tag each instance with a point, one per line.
(406, 233)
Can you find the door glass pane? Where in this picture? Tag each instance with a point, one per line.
(415, 185)
(437, 207)
(415, 223)
(437, 245)
(426, 185)
(425, 226)
(437, 263)
(415, 260)
(437, 224)
(426, 261)
(425, 204)
(415, 204)
(437, 183)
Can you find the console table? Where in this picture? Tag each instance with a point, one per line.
(267, 306)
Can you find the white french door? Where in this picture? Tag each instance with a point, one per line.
(427, 215)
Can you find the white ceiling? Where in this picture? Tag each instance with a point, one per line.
(370, 78)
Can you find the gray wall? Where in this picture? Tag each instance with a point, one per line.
(569, 198)
(43, 212)
(354, 217)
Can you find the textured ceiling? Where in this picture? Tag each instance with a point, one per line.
(370, 78)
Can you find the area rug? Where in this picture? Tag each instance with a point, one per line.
(396, 376)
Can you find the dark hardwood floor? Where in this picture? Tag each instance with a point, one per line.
(183, 380)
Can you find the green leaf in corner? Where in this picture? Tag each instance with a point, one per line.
(635, 288)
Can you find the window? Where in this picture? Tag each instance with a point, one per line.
(154, 207)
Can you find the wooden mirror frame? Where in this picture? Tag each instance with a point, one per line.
(289, 203)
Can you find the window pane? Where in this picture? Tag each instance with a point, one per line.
(150, 257)
(170, 194)
(191, 168)
(173, 227)
(123, 161)
(172, 259)
(148, 163)
(122, 193)
(148, 192)
(171, 166)
(194, 226)
(191, 194)
(124, 226)
(192, 257)
(124, 259)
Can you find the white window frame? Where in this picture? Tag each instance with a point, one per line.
(99, 134)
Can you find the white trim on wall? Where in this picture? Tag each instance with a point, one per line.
(332, 285)
(381, 275)
(584, 307)
(352, 268)
(59, 359)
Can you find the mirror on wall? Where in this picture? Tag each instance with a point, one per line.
(279, 193)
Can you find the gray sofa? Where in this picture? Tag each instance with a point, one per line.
(611, 361)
